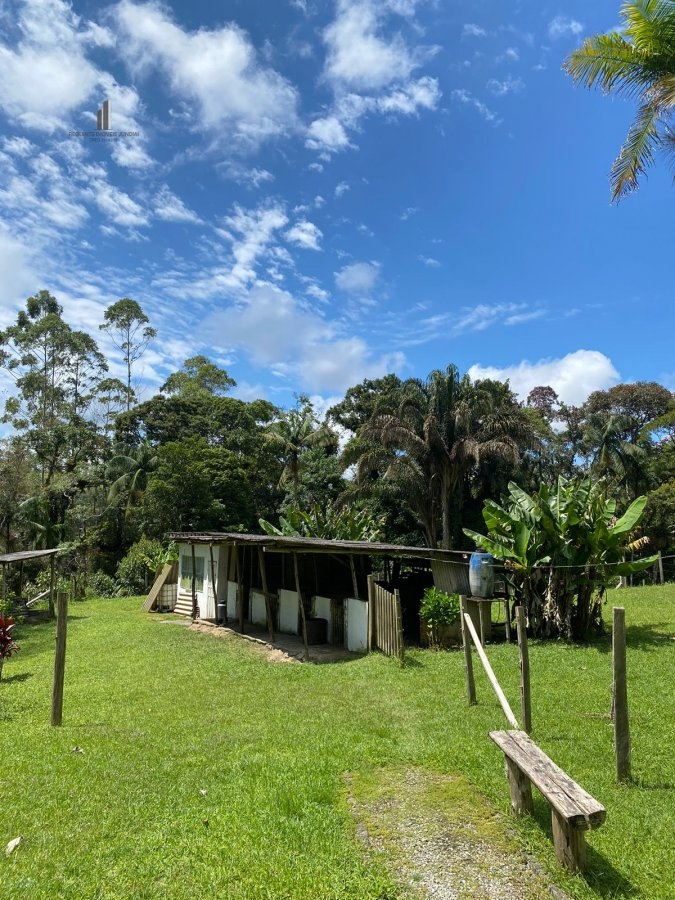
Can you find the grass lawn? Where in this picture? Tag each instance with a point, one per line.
(164, 714)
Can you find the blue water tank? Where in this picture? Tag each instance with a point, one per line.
(481, 575)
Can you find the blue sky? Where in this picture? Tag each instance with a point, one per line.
(321, 192)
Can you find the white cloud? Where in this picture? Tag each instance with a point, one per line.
(328, 134)
(573, 377)
(171, 208)
(357, 278)
(48, 74)
(563, 26)
(471, 30)
(275, 330)
(467, 99)
(508, 86)
(511, 54)
(429, 261)
(305, 234)
(359, 55)
(341, 188)
(18, 275)
(218, 69)
(117, 205)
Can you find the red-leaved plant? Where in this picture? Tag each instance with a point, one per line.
(7, 644)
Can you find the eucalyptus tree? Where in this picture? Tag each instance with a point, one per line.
(637, 61)
(443, 428)
(128, 328)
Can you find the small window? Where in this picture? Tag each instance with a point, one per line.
(186, 572)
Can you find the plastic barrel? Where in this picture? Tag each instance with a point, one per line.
(481, 575)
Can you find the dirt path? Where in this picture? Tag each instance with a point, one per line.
(441, 839)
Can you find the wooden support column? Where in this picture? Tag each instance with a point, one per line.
(620, 691)
(268, 603)
(21, 579)
(355, 585)
(240, 588)
(569, 843)
(507, 613)
(468, 662)
(301, 605)
(520, 788)
(213, 586)
(195, 608)
(60, 658)
(52, 584)
(372, 613)
(524, 666)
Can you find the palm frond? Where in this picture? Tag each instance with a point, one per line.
(637, 152)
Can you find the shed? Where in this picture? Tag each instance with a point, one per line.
(19, 558)
(311, 587)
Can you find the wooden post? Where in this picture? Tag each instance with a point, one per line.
(399, 628)
(195, 608)
(492, 678)
(507, 613)
(524, 665)
(372, 613)
(520, 788)
(213, 585)
(268, 604)
(621, 725)
(660, 564)
(52, 585)
(481, 622)
(468, 662)
(21, 579)
(355, 585)
(301, 604)
(60, 657)
(240, 588)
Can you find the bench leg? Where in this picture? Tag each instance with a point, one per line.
(521, 789)
(569, 843)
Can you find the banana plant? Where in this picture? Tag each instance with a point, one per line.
(563, 546)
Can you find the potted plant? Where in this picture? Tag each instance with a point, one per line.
(439, 613)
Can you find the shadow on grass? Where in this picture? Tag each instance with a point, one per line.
(600, 874)
(22, 676)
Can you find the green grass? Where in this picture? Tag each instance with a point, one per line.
(162, 714)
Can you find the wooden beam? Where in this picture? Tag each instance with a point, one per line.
(301, 604)
(268, 605)
(355, 586)
(491, 675)
(213, 587)
(195, 608)
(524, 666)
(468, 661)
(621, 725)
(60, 658)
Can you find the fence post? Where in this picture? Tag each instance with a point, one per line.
(399, 628)
(60, 657)
(524, 666)
(620, 695)
(468, 662)
(372, 613)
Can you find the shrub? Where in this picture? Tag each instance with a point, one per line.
(101, 585)
(135, 570)
(7, 644)
(438, 609)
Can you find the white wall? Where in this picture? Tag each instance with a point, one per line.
(257, 608)
(288, 612)
(357, 624)
(232, 611)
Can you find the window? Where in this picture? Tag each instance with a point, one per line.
(186, 572)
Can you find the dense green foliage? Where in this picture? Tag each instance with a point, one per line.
(404, 461)
(563, 547)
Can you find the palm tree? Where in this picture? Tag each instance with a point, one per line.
(442, 429)
(131, 468)
(295, 431)
(638, 61)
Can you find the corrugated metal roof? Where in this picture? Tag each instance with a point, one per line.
(281, 544)
(26, 554)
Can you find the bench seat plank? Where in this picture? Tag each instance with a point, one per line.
(570, 800)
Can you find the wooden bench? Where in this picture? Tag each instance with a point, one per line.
(573, 811)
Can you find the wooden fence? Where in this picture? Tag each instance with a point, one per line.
(386, 620)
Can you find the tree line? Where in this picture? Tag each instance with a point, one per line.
(411, 461)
